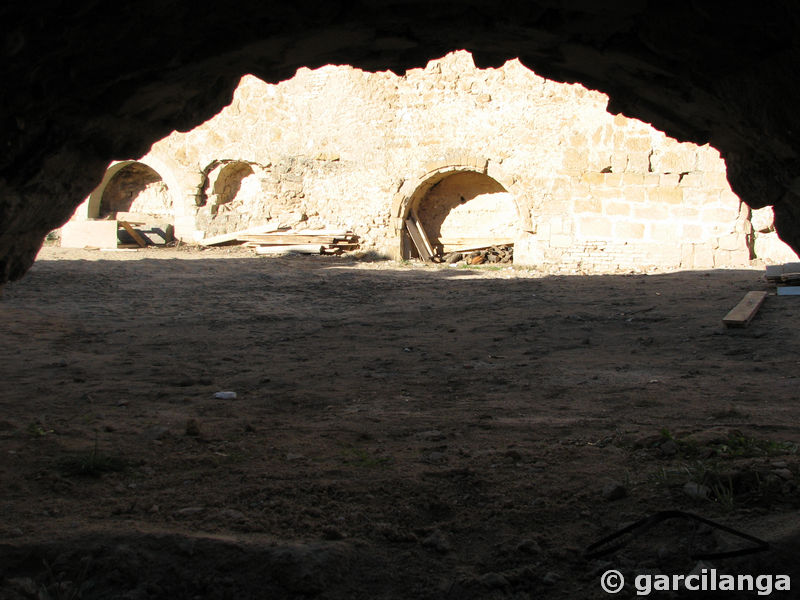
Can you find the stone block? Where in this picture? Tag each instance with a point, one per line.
(773, 250)
(593, 177)
(732, 241)
(692, 233)
(595, 227)
(591, 205)
(665, 195)
(632, 179)
(662, 232)
(629, 231)
(703, 257)
(720, 215)
(634, 194)
(692, 180)
(89, 234)
(560, 241)
(651, 212)
(651, 179)
(616, 209)
(639, 144)
(669, 180)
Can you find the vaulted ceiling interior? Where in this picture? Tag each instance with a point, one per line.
(87, 82)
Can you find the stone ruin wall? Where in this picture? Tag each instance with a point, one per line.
(338, 147)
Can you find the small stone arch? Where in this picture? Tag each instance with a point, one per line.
(470, 174)
(231, 183)
(146, 171)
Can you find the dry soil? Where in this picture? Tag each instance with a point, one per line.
(398, 431)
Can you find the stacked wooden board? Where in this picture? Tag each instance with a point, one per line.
(786, 277)
(309, 241)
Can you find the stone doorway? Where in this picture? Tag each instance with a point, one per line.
(135, 188)
(460, 211)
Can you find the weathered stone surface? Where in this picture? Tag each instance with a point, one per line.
(88, 83)
(326, 149)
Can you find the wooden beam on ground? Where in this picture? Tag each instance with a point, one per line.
(267, 239)
(743, 313)
(293, 249)
(233, 237)
(413, 231)
(133, 233)
(789, 290)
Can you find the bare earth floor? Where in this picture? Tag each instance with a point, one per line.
(399, 431)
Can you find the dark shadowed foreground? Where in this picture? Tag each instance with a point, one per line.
(398, 431)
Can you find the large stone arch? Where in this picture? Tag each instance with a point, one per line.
(413, 190)
(92, 205)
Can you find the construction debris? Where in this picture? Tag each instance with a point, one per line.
(786, 277)
(273, 241)
(473, 251)
(503, 254)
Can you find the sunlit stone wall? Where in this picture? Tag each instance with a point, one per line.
(338, 147)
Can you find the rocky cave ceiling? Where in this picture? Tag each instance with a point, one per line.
(86, 82)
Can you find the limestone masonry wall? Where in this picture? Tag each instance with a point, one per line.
(476, 153)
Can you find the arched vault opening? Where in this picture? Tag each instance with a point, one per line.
(459, 210)
(136, 187)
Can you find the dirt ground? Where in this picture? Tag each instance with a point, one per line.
(398, 431)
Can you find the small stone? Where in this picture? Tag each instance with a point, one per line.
(332, 534)
(669, 448)
(784, 473)
(232, 514)
(189, 511)
(225, 395)
(24, 585)
(494, 580)
(528, 546)
(434, 435)
(435, 457)
(550, 578)
(156, 432)
(695, 490)
(438, 542)
(614, 491)
(192, 428)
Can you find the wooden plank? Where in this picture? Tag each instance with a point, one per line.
(478, 242)
(233, 237)
(422, 233)
(133, 233)
(774, 272)
(790, 278)
(411, 226)
(296, 249)
(268, 239)
(789, 290)
(448, 249)
(743, 313)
